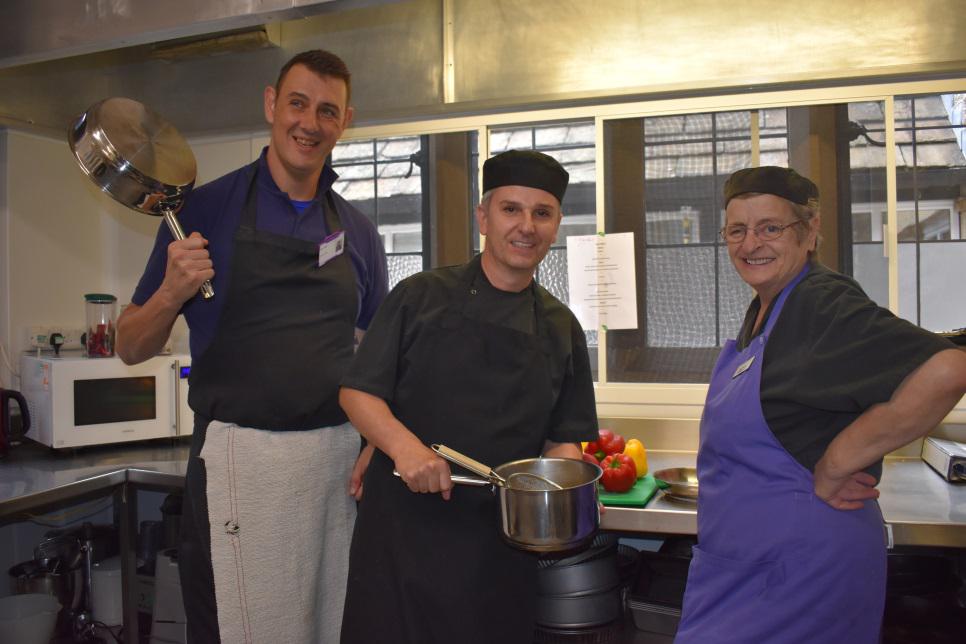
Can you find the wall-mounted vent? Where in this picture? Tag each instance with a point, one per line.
(262, 37)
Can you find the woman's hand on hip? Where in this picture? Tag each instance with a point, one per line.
(846, 493)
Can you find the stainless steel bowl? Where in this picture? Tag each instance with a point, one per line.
(681, 482)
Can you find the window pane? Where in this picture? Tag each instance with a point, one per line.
(942, 299)
(680, 297)
(931, 182)
(357, 186)
(402, 266)
(353, 152)
(867, 178)
(400, 206)
(691, 297)
(398, 148)
(553, 274)
(383, 179)
(407, 241)
(733, 297)
(511, 139)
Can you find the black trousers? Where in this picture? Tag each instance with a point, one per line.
(194, 554)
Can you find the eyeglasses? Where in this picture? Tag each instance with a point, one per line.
(736, 233)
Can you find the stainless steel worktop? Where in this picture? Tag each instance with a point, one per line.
(34, 476)
(919, 507)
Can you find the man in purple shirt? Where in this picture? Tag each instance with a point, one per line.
(298, 274)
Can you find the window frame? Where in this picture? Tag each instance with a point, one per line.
(671, 400)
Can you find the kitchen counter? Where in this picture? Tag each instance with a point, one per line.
(33, 476)
(919, 507)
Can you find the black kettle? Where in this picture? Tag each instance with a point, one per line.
(6, 395)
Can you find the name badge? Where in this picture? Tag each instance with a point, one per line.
(331, 247)
(743, 367)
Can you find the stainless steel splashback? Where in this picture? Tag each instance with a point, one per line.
(428, 58)
(38, 30)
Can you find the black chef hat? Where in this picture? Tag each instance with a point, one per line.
(525, 168)
(772, 180)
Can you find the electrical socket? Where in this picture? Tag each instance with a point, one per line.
(72, 337)
(38, 337)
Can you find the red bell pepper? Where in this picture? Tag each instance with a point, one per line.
(620, 473)
(607, 443)
(590, 458)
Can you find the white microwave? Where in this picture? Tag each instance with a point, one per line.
(76, 401)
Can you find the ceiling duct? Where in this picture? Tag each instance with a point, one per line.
(263, 37)
(34, 31)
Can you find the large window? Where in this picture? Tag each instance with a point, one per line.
(663, 167)
(664, 178)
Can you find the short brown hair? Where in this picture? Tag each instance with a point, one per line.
(323, 63)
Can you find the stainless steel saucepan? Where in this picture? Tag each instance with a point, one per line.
(546, 504)
(136, 157)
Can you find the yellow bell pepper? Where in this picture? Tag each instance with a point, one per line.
(635, 449)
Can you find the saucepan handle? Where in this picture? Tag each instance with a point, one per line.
(462, 460)
(463, 480)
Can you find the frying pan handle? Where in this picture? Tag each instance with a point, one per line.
(207, 291)
(465, 461)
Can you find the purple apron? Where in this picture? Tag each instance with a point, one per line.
(774, 563)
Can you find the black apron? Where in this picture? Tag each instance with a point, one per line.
(423, 570)
(282, 344)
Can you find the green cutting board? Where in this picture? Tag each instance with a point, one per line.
(637, 496)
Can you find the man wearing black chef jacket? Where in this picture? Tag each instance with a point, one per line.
(480, 358)
(298, 272)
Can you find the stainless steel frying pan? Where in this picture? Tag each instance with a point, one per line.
(681, 482)
(136, 157)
